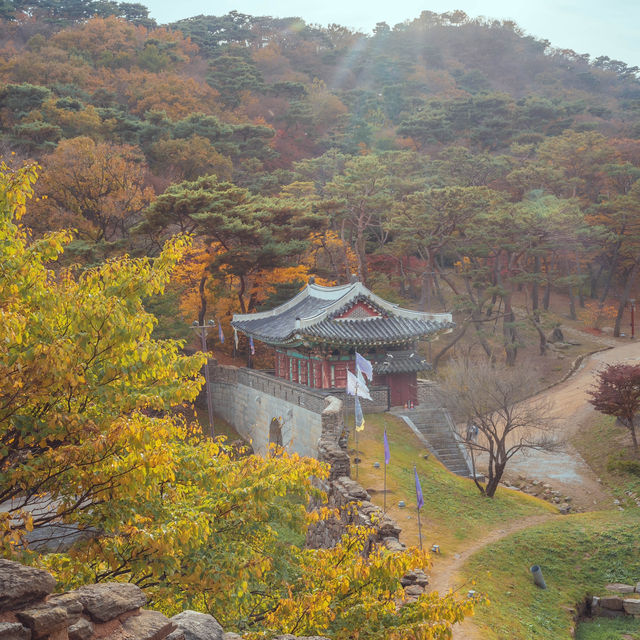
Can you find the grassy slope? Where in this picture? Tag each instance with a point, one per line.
(604, 629)
(578, 555)
(605, 442)
(454, 513)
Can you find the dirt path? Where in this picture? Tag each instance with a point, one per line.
(445, 571)
(565, 470)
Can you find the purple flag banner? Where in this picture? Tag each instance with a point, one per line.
(387, 453)
(419, 499)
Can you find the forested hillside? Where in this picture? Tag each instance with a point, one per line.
(449, 161)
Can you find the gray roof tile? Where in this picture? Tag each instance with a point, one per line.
(312, 315)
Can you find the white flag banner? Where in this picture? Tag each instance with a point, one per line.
(357, 387)
(365, 366)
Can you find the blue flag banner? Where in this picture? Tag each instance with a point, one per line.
(419, 499)
(387, 453)
(220, 333)
(359, 415)
(365, 366)
(253, 349)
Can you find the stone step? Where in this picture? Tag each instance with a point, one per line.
(433, 424)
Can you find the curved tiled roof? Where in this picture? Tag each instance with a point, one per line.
(401, 362)
(314, 315)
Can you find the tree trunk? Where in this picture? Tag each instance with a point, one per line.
(541, 336)
(446, 348)
(614, 264)
(535, 289)
(579, 274)
(547, 292)
(631, 277)
(572, 303)
(203, 298)
(492, 485)
(509, 332)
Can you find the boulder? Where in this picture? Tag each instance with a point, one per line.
(631, 606)
(20, 585)
(104, 602)
(81, 630)
(148, 625)
(619, 587)
(14, 631)
(44, 620)
(414, 590)
(197, 626)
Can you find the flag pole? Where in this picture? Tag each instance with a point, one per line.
(419, 529)
(419, 502)
(355, 424)
(355, 430)
(384, 492)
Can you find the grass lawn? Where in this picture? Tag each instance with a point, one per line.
(605, 629)
(606, 446)
(578, 555)
(454, 512)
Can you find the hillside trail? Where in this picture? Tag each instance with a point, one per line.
(565, 470)
(447, 570)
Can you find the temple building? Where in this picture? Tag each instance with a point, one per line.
(315, 336)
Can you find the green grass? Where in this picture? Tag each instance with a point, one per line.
(606, 447)
(454, 512)
(578, 556)
(609, 629)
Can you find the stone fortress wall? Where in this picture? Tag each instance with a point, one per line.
(250, 399)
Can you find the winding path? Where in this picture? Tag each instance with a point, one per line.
(565, 470)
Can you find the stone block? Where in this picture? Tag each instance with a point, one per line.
(631, 606)
(612, 603)
(81, 630)
(393, 544)
(414, 590)
(69, 602)
(14, 631)
(619, 587)
(104, 602)
(44, 620)
(20, 585)
(148, 625)
(198, 626)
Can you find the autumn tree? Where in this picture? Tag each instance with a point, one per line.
(80, 367)
(617, 393)
(92, 456)
(98, 188)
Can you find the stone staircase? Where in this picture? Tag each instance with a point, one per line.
(434, 427)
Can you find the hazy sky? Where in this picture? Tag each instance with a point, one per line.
(597, 27)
